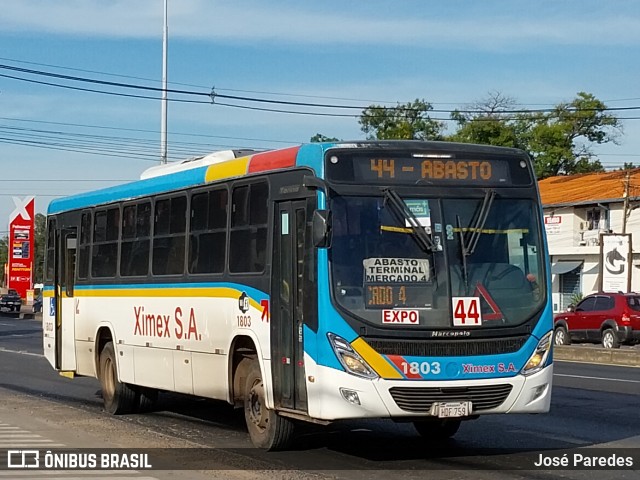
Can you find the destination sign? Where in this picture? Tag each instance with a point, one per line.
(390, 270)
(398, 296)
(417, 169)
(397, 282)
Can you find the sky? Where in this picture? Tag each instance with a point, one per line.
(59, 138)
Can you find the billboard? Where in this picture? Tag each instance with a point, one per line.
(21, 246)
(615, 259)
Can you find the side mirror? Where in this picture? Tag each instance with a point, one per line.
(321, 226)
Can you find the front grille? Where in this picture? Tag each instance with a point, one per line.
(420, 399)
(447, 348)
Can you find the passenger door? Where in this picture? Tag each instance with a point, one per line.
(63, 302)
(288, 302)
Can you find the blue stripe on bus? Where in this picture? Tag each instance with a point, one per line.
(140, 188)
(310, 155)
(250, 291)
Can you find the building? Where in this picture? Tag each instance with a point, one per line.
(580, 214)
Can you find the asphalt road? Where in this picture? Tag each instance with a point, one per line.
(592, 406)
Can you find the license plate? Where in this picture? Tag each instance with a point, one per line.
(451, 409)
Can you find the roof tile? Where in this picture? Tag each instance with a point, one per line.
(568, 189)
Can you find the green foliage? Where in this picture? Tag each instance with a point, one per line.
(318, 138)
(408, 121)
(576, 298)
(559, 141)
(4, 252)
(40, 236)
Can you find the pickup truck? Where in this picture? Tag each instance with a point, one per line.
(11, 300)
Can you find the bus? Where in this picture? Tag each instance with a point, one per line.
(406, 280)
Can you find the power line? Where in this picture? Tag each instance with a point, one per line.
(140, 130)
(213, 96)
(260, 92)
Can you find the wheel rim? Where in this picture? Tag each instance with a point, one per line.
(109, 386)
(559, 337)
(607, 340)
(256, 408)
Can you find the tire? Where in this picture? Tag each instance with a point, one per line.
(119, 398)
(437, 429)
(610, 339)
(148, 397)
(561, 336)
(267, 429)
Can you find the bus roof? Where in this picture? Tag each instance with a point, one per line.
(223, 165)
(195, 174)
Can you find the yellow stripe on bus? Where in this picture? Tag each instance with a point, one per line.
(374, 359)
(220, 292)
(230, 168)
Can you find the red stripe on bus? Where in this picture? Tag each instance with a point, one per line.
(261, 162)
(402, 365)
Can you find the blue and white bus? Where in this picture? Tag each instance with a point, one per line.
(391, 279)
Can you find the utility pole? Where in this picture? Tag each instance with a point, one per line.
(163, 122)
(625, 195)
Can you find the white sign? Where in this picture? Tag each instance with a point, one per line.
(614, 258)
(466, 311)
(402, 316)
(552, 225)
(391, 270)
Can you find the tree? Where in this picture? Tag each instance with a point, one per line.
(409, 121)
(487, 122)
(40, 236)
(560, 141)
(4, 256)
(318, 138)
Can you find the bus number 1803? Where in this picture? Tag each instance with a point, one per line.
(420, 368)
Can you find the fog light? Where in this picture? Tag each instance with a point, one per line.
(350, 396)
(539, 391)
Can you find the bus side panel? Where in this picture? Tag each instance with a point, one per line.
(210, 377)
(154, 367)
(85, 358)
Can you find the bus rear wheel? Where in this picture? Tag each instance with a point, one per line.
(267, 429)
(438, 428)
(119, 398)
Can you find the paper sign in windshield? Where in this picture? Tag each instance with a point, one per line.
(420, 209)
(389, 270)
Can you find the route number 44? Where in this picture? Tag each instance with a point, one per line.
(466, 311)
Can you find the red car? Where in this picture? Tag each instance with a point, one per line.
(610, 318)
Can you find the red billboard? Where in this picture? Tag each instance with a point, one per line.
(21, 246)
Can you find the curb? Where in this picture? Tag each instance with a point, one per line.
(629, 358)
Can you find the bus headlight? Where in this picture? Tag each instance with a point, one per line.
(539, 358)
(349, 358)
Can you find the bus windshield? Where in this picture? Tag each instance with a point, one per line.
(488, 248)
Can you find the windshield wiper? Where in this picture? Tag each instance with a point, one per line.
(469, 246)
(404, 214)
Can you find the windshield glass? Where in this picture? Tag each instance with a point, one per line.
(380, 266)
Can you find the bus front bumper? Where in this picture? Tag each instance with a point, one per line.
(334, 394)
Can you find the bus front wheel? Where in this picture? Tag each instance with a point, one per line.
(437, 429)
(118, 397)
(267, 429)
